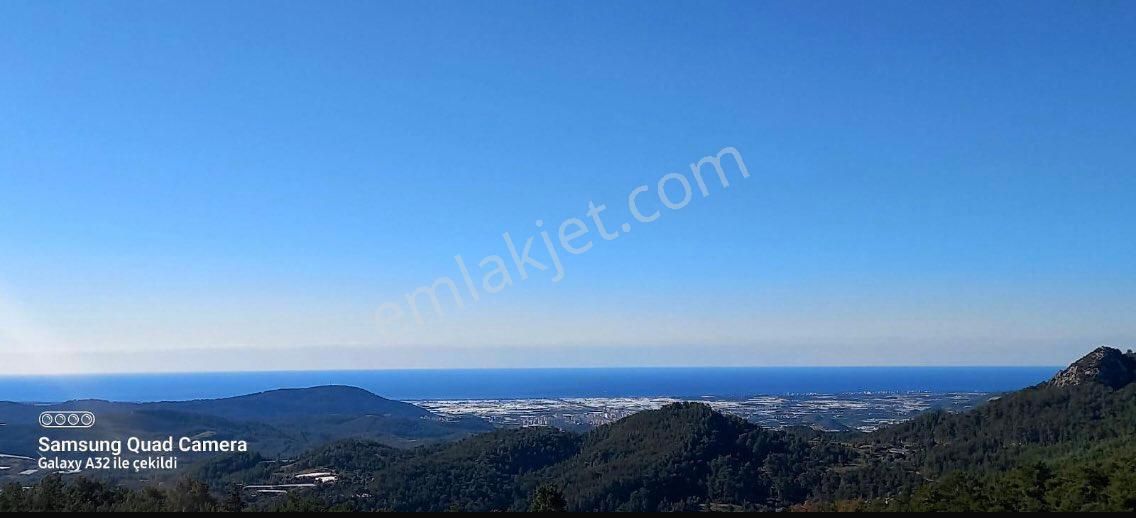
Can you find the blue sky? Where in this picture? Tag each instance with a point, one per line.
(209, 185)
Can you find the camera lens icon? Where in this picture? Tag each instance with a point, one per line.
(67, 419)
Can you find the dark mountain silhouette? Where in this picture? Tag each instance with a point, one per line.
(276, 422)
(287, 404)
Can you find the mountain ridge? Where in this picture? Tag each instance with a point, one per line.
(1105, 365)
(686, 456)
(276, 422)
(1002, 455)
(287, 403)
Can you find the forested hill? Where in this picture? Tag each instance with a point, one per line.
(689, 457)
(1090, 403)
(684, 456)
(1069, 444)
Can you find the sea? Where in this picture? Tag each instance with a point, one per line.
(424, 384)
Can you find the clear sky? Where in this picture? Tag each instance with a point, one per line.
(243, 185)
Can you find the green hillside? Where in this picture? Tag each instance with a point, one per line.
(1065, 445)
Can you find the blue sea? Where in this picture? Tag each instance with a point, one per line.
(531, 383)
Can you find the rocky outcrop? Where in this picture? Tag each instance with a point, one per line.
(1104, 365)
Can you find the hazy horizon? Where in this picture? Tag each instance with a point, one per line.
(528, 383)
(371, 359)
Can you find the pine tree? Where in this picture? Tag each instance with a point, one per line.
(233, 502)
(548, 499)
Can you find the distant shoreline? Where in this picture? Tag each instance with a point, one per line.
(417, 385)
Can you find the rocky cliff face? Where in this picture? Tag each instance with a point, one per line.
(1104, 365)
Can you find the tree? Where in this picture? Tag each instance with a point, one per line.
(12, 498)
(548, 499)
(233, 502)
(191, 496)
(49, 496)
